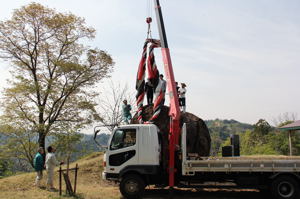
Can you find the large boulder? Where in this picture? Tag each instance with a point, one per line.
(198, 137)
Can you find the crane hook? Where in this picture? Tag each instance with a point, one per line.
(149, 20)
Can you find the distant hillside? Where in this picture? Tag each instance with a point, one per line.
(226, 127)
(220, 130)
(88, 141)
(88, 145)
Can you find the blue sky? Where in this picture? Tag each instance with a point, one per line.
(239, 59)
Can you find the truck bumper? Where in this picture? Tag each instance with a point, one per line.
(110, 176)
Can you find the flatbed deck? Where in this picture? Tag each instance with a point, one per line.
(241, 165)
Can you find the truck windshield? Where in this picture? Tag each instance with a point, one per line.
(123, 138)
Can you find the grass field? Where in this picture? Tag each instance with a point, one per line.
(91, 186)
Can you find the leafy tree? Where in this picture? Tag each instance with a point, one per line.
(216, 144)
(251, 144)
(265, 139)
(5, 167)
(66, 144)
(279, 142)
(262, 127)
(53, 72)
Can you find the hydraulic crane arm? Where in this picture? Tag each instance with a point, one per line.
(174, 105)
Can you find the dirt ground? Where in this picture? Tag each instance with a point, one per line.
(204, 194)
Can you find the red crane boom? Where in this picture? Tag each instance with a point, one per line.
(174, 105)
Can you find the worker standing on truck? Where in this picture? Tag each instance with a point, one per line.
(126, 108)
(149, 91)
(182, 92)
(38, 164)
(177, 88)
(161, 87)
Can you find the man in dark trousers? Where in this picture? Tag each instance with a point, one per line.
(162, 85)
(177, 88)
(149, 91)
(182, 92)
(126, 108)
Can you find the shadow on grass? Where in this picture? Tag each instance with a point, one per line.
(65, 196)
(203, 194)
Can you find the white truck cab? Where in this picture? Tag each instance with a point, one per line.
(132, 148)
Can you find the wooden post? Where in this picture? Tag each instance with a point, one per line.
(68, 165)
(64, 175)
(290, 143)
(75, 182)
(69, 189)
(60, 180)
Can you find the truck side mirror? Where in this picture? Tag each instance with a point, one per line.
(95, 136)
(96, 133)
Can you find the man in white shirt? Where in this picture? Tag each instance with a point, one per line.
(51, 163)
(182, 92)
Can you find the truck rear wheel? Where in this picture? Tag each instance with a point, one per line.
(132, 186)
(285, 187)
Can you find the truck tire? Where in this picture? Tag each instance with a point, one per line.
(285, 187)
(132, 186)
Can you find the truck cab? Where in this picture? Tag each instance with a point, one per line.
(132, 149)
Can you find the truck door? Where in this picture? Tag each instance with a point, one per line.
(122, 150)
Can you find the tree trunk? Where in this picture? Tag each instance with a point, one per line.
(42, 139)
(42, 143)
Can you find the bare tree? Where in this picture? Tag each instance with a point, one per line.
(110, 105)
(284, 119)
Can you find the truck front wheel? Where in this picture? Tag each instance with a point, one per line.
(285, 187)
(132, 186)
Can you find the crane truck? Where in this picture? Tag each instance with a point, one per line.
(134, 155)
